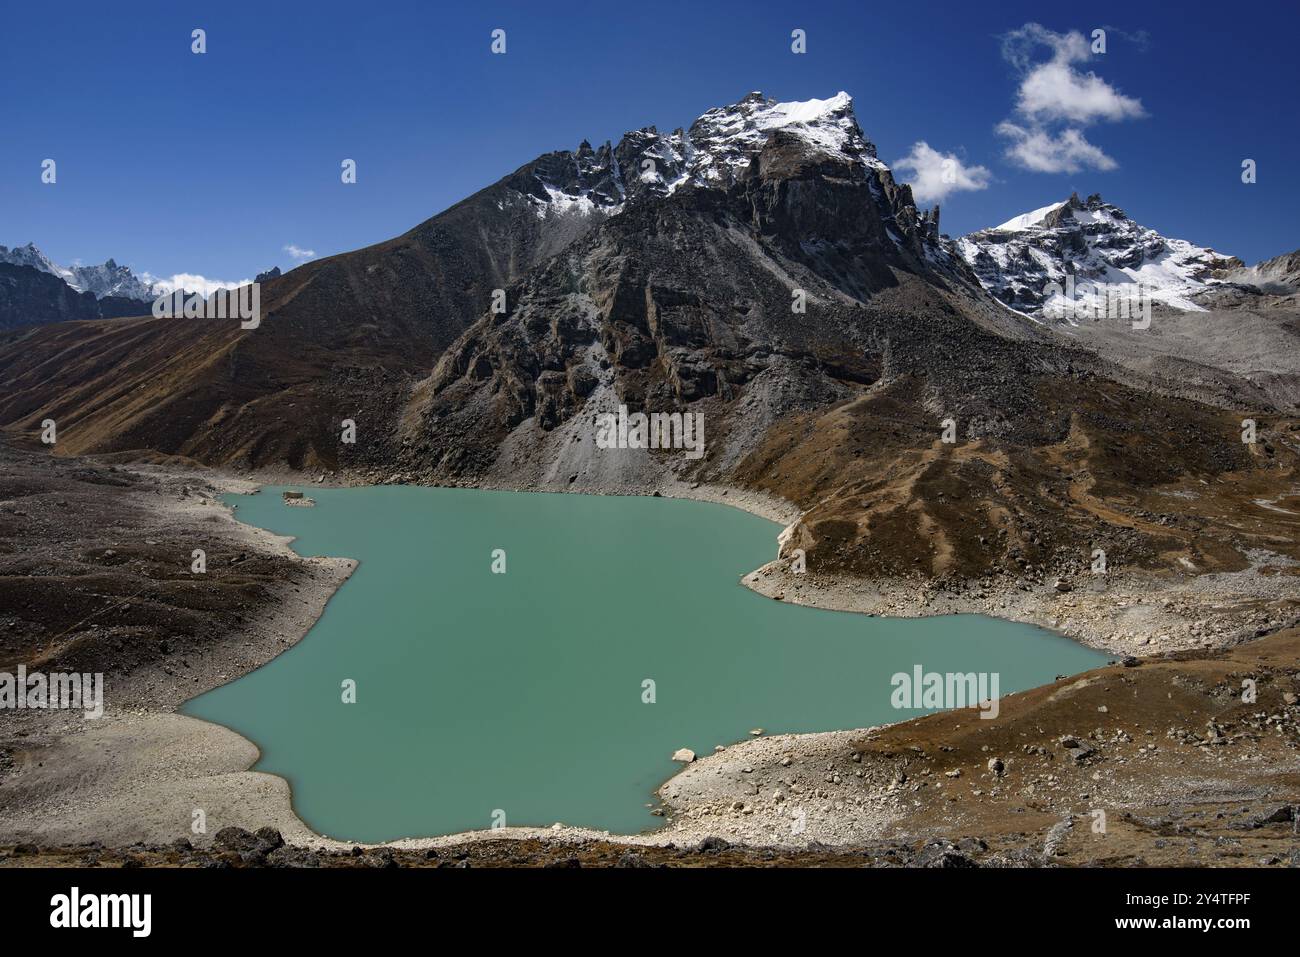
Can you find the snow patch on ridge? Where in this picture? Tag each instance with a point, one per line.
(1025, 220)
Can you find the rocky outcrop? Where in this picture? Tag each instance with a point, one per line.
(1283, 270)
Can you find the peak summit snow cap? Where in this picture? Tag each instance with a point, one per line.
(1049, 216)
(717, 148)
(728, 137)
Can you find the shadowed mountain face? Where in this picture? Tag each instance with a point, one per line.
(26, 292)
(762, 269)
(32, 296)
(59, 294)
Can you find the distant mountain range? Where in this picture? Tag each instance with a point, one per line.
(107, 291)
(108, 280)
(34, 289)
(763, 268)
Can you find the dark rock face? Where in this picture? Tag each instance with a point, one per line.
(30, 297)
(692, 299)
(649, 162)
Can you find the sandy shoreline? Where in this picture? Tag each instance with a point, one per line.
(141, 775)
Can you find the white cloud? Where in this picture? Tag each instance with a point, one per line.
(934, 175)
(1057, 91)
(297, 252)
(1056, 99)
(1018, 46)
(190, 282)
(1042, 152)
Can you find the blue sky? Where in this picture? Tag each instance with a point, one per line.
(173, 162)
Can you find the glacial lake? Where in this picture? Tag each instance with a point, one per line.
(522, 692)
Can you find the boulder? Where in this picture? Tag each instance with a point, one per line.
(236, 839)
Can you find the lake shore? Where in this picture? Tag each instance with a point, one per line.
(139, 774)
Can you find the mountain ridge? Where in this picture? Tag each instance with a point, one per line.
(800, 303)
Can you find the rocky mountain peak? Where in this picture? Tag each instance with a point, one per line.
(714, 151)
(29, 255)
(727, 138)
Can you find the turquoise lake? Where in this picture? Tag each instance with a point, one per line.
(522, 692)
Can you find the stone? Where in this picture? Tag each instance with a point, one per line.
(685, 755)
(236, 839)
(292, 857)
(943, 855)
(1283, 815)
(269, 838)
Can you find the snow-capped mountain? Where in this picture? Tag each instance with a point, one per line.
(29, 255)
(1095, 243)
(110, 279)
(103, 281)
(713, 152)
